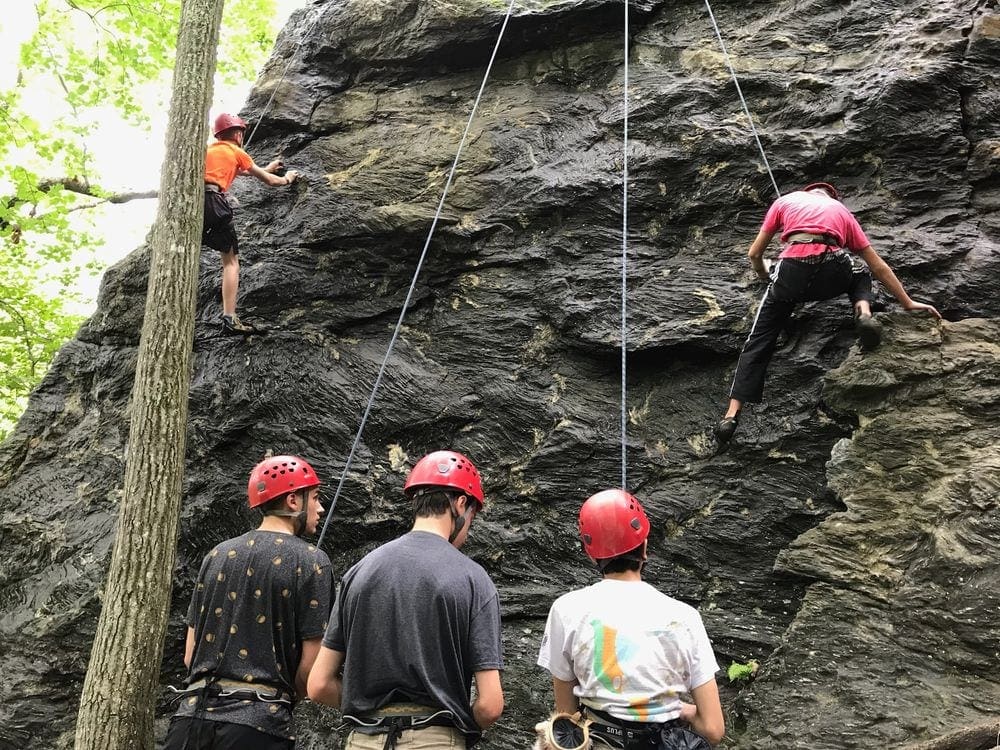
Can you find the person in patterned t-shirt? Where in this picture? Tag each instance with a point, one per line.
(256, 620)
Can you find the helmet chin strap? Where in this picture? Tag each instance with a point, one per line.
(298, 517)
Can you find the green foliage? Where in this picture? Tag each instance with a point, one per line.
(86, 61)
(742, 672)
(32, 328)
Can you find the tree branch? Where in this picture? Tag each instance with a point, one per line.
(77, 185)
(117, 198)
(81, 186)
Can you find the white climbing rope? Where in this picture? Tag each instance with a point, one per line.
(623, 335)
(732, 72)
(624, 290)
(270, 99)
(416, 276)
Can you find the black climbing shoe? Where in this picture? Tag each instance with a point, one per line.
(725, 430)
(869, 332)
(232, 325)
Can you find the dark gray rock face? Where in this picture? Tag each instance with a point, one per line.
(843, 540)
(897, 638)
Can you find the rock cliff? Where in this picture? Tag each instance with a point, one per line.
(844, 540)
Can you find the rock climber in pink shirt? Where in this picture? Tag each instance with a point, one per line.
(822, 246)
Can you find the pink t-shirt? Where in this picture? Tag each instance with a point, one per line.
(817, 214)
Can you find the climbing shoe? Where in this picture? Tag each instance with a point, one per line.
(232, 325)
(725, 430)
(869, 332)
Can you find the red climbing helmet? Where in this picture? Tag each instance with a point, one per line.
(225, 121)
(830, 189)
(612, 522)
(277, 476)
(445, 469)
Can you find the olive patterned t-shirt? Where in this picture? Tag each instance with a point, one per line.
(257, 597)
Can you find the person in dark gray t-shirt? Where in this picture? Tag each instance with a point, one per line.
(415, 623)
(259, 609)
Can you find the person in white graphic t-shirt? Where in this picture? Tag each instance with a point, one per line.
(624, 654)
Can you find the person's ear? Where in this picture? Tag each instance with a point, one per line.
(293, 500)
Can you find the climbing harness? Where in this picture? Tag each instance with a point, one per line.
(235, 689)
(630, 735)
(808, 238)
(416, 276)
(746, 109)
(213, 689)
(394, 719)
(640, 735)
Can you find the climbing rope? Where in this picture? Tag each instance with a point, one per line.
(732, 72)
(416, 276)
(624, 290)
(291, 59)
(624, 253)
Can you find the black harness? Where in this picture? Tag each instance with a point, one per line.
(832, 249)
(641, 735)
(628, 735)
(214, 691)
(809, 238)
(393, 726)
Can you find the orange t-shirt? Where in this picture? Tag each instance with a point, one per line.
(223, 161)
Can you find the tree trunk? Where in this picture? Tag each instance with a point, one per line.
(119, 692)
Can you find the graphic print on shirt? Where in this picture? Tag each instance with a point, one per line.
(612, 649)
(623, 662)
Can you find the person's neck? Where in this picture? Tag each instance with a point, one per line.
(278, 524)
(625, 575)
(440, 525)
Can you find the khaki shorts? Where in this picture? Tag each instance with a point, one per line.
(428, 738)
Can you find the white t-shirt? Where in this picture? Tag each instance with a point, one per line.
(632, 650)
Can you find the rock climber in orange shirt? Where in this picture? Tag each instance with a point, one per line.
(225, 160)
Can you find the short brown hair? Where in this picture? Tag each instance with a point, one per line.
(432, 501)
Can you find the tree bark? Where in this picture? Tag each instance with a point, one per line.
(116, 707)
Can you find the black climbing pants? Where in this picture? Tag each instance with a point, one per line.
(186, 733)
(792, 282)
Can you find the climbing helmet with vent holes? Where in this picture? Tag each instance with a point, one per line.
(612, 522)
(277, 476)
(446, 470)
(225, 122)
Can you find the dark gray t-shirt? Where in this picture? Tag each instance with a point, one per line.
(415, 619)
(258, 596)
